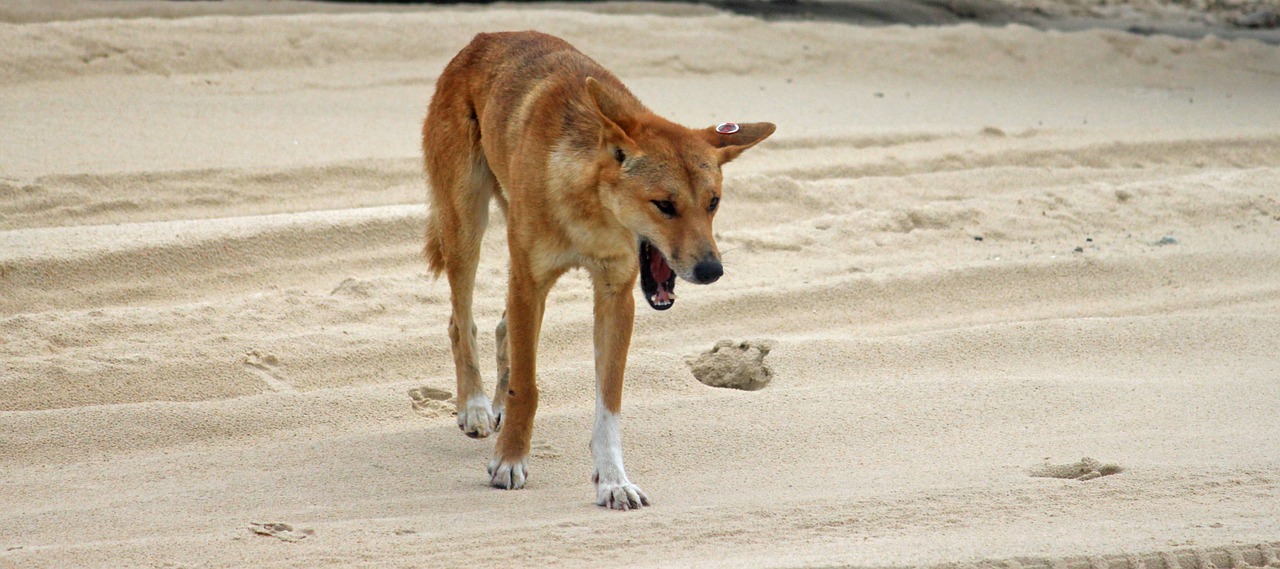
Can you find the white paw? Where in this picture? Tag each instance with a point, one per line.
(618, 495)
(477, 419)
(508, 475)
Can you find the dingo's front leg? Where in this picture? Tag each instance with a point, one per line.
(526, 299)
(614, 315)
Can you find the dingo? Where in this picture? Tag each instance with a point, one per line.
(586, 177)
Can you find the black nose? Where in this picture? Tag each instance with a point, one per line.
(708, 271)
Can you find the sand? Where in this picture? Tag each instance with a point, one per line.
(975, 253)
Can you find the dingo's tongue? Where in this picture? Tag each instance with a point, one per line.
(659, 268)
(661, 272)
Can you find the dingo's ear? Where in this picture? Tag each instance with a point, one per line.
(733, 138)
(613, 115)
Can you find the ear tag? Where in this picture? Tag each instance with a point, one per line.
(727, 128)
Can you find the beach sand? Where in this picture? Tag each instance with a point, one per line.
(1020, 291)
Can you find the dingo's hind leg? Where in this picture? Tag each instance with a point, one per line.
(504, 370)
(461, 186)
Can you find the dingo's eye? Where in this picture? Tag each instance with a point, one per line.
(618, 154)
(715, 202)
(666, 207)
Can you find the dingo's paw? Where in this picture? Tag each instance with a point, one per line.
(499, 411)
(618, 494)
(508, 475)
(477, 419)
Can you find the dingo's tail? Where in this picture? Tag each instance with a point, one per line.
(434, 249)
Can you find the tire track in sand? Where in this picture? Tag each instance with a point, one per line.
(77, 267)
(1232, 556)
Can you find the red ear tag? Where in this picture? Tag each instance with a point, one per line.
(727, 128)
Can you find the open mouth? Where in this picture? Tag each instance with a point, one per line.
(657, 280)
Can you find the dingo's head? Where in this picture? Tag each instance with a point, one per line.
(662, 181)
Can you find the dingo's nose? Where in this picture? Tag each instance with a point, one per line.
(707, 271)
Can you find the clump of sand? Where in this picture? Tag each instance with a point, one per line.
(1084, 469)
(736, 365)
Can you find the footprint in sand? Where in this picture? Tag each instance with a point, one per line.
(543, 449)
(260, 359)
(1084, 469)
(736, 365)
(263, 364)
(352, 287)
(283, 532)
(430, 401)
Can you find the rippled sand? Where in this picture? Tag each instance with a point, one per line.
(974, 252)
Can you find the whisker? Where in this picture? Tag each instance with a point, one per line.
(725, 266)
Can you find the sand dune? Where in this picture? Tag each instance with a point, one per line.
(974, 251)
